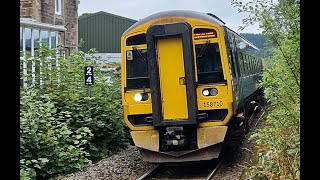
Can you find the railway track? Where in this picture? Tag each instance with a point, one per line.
(195, 171)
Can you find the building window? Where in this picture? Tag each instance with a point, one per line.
(45, 37)
(53, 43)
(21, 39)
(21, 42)
(27, 35)
(36, 38)
(28, 40)
(29, 43)
(58, 7)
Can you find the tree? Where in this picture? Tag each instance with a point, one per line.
(278, 142)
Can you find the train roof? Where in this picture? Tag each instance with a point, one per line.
(184, 13)
(244, 39)
(187, 13)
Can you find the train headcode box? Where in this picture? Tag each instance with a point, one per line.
(88, 75)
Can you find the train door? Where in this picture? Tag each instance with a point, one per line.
(234, 60)
(172, 78)
(172, 74)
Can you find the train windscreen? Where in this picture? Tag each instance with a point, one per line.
(137, 69)
(209, 67)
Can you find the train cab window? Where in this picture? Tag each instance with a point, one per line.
(209, 66)
(136, 40)
(137, 69)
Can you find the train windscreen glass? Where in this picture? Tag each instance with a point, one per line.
(137, 69)
(209, 67)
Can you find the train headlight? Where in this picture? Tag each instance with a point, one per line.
(205, 92)
(137, 97)
(213, 92)
(140, 97)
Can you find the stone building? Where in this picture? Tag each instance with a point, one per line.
(53, 21)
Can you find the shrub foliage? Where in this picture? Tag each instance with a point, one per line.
(64, 126)
(278, 143)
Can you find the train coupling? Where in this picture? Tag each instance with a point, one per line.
(174, 136)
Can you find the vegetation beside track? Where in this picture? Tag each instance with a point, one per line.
(278, 143)
(63, 128)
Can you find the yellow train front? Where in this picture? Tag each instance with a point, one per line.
(185, 76)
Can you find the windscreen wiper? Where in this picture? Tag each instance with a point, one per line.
(203, 48)
(139, 53)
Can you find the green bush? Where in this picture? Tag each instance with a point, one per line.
(47, 144)
(63, 127)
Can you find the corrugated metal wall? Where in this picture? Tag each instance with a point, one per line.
(102, 31)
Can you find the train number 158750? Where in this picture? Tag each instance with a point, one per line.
(213, 104)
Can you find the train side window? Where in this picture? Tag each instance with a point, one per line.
(237, 63)
(233, 70)
(255, 65)
(241, 64)
(245, 63)
(249, 64)
(209, 66)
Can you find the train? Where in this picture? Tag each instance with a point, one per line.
(190, 86)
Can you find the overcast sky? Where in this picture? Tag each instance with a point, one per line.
(138, 9)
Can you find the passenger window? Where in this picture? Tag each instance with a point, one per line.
(209, 66)
(255, 65)
(241, 64)
(245, 63)
(232, 64)
(250, 64)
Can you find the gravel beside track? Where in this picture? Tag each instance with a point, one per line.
(125, 165)
(128, 165)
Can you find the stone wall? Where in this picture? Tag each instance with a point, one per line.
(26, 8)
(71, 21)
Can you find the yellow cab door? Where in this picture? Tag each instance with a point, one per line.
(172, 78)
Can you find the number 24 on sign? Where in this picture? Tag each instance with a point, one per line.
(89, 78)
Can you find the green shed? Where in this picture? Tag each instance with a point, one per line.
(102, 31)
